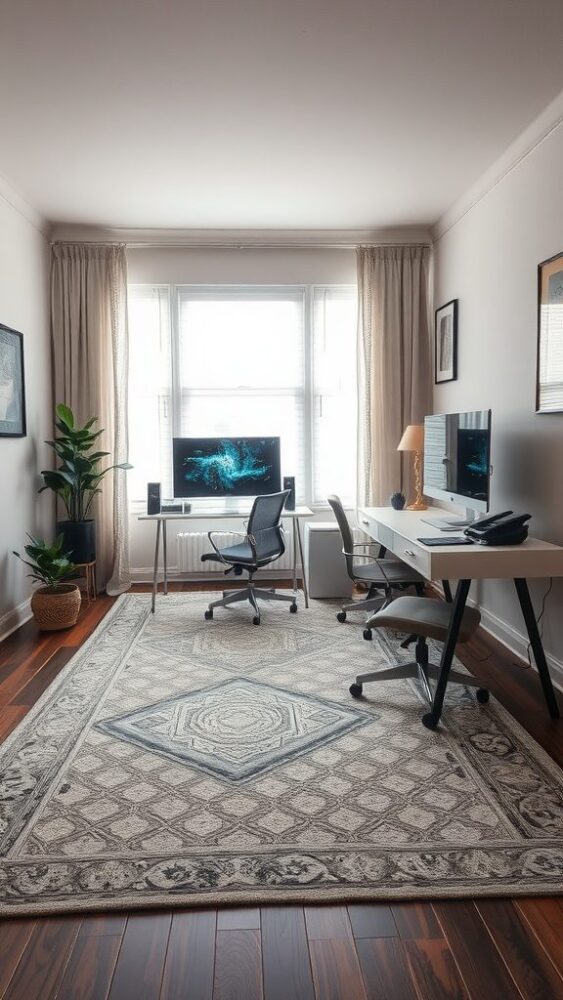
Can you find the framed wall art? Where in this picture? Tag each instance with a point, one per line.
(12, 384)
(445, 342)
(549, 375)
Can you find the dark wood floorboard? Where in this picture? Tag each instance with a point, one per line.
(434, 971)
(91, 965)
(14, 938)
(481, 964)
(285, 954)
(238, 966)
(190, 957)
(529, 964)
(545, 917)
(42, 964)
(385, 969)
(336, 969)
(373, 920)
(140, 963)
(483, 950)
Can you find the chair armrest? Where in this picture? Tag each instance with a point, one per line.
(241, 534)
(359, 555)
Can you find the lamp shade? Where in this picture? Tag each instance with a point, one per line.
(412, 439)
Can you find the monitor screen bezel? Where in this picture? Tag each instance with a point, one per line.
(227, 495)
(437, 493)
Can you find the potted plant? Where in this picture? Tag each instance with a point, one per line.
(55, 605)
(77, 481)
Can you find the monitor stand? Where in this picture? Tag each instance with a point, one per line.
(453, 523)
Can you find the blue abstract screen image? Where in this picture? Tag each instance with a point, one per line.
(227, 466)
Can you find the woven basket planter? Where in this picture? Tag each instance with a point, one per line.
(56, 607)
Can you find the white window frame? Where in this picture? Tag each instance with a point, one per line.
(308, 293)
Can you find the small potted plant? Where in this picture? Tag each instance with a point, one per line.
(77, 481)
(55, 604)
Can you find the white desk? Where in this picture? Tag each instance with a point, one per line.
(203, 514)
(399, 532)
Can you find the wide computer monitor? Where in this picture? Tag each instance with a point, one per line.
(226, 466)
(457, 458)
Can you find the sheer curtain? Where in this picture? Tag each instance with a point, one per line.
(90, 361)
(394, 364)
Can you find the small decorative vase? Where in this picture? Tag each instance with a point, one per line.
(57, 607)
(397, 501)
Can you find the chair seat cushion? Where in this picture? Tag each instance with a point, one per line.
(241, 555)
(386, 571)
(424, 616)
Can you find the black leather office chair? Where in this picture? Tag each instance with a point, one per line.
(381, 576)
(263, 544)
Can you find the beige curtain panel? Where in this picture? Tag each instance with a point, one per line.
(89, 343)
(394, 364)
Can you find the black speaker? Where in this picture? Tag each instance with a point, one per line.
(153, 498)
(289, 484)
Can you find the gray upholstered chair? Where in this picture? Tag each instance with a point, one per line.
(263, 544)
(424, 618)
(381, 576)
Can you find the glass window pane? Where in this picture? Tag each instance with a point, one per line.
(334, 394)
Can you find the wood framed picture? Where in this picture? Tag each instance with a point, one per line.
(445, 342)
(549, 375)
(12, 384)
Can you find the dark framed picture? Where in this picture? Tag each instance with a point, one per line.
(445, 343)
(12, 384)
(549, 374)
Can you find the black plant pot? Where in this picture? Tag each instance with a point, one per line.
(79, 539)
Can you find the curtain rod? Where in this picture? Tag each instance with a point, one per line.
(274, 246)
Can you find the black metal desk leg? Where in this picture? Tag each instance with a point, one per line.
(432, 718)
(537, 646)
(447, 591)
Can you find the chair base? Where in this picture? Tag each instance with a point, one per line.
(252, 594)
(421, 672)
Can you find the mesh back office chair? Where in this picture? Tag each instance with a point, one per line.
(379, 574)
(263, 544)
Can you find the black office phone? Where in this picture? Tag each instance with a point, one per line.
(500, 529)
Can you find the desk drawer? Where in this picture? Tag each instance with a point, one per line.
(413, 554)
(379, 532)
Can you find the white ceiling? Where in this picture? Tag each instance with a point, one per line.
(266, 113)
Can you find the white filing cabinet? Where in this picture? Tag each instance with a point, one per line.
(325, 564)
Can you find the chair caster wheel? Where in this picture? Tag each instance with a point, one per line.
(341, 616)
(293, 608)
(429, 721)
(208, 615)
(256, 620)
(482, 696)
(356, 690)
(368, 634)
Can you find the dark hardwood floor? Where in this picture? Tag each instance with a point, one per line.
(483, 949)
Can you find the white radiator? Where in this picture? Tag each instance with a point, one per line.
(192, 544)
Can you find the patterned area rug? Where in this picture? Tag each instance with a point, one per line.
(176, 761)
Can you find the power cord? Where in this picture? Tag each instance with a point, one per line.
(539, 623)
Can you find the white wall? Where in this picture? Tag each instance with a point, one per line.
(488, 260)
(182, 265)
(24, 263)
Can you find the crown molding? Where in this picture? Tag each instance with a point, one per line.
(243, 238)
(533, 136)
(12, 197)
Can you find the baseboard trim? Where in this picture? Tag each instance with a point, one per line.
(14, 618)
(143, 574)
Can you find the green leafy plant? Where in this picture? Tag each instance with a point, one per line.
(78, 478)
(49, 564)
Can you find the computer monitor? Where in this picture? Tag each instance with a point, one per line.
(457, 458)
(226, 467)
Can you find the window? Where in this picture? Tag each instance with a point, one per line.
(275, 361)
